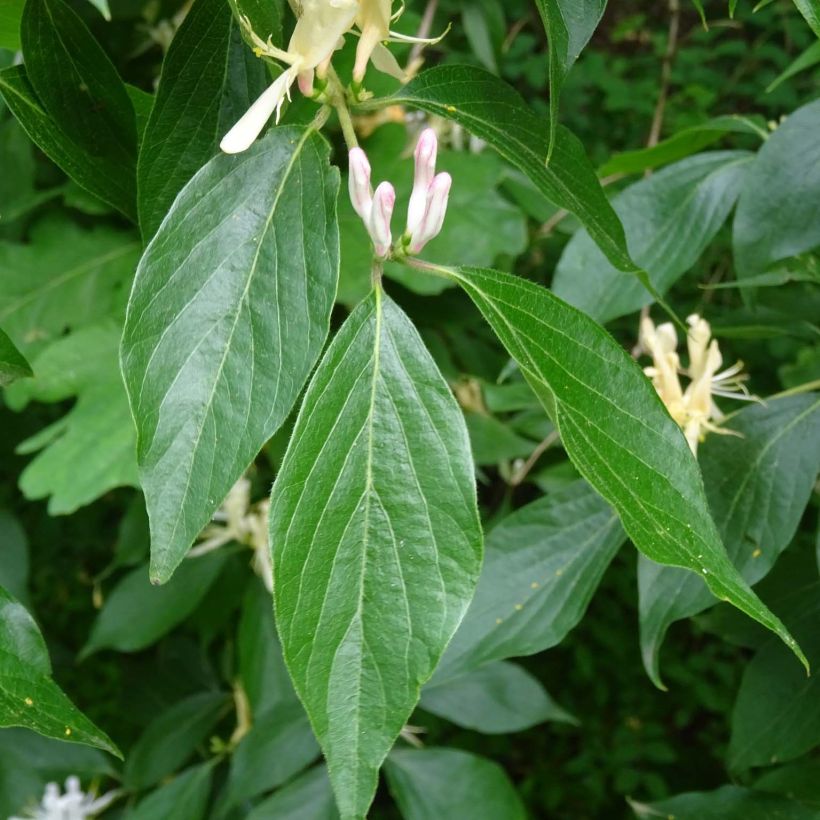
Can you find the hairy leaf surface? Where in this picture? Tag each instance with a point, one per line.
(376, 540)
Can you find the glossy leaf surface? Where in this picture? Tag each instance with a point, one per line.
(376, 540)
(229, 311)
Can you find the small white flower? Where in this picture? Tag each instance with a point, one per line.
(75, 804)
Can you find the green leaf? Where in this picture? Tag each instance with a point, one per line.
(778, 213)
(493, 441)
(805, 60)
(209, 79)
(83, 97)
(725, 803)
(171, 738)
(429, 784)
(757, 486)
(279, 745)
(13, 365)
(682, 144)
(799, 780)
(810, 9)
(309, 795)
(137, 614)
(542, 564)
(11, 11)
(29, 697)
(569, 25)
(229, 311)
(776, 717)
(615, 429)
(495, 112)
(497, 698)
(14, 567)
(376, 540)
(65, 276)
(185, 796)
(669, 220)
(90, 450)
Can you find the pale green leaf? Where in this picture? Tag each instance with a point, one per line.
(376, 540)
(13, 365)
(229, 311)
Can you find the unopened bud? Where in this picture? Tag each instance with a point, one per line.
(378, 225)
(361, 194)
(425, 155)
(433, 218)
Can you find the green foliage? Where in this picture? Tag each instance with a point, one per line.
(411, 390)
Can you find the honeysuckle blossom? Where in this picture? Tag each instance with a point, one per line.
(693, 408)
(428, 200)
(318, 32)
(75, 804)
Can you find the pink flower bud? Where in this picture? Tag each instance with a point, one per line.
(426, 150)
(361, 194)
(433, 218)
(378, 226)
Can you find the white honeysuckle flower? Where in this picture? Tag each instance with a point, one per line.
(75, 804)
(693, 408)
(381, 214)
(318, 32)
(428, 200)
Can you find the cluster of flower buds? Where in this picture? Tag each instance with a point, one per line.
(428, 201)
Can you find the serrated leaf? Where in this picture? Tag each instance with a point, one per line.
(13, 364)
(497, 698)
(83, 96)
(616, 431)
(757, 486)
(778, 213)
(209, 79)
(90, 450)
(136, 613)
(64, 277)
(542, 565)
(376, 540)
(29, 697)
(172, 737)
(725, 803)
(669, 220)
(429, 784)
(494, 111)
(569, 25)
(229, 311)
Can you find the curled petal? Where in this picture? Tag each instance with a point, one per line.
(379, 223)
(361, 194)
(425, 157)
(434, 215)
(250, 125)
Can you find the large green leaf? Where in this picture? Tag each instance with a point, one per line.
(776, 717)
(29, 696)
(497, 698)
(542, 565)
(757, 486)
(90, 450)
(65, 276)
(13, 365)
(778, 213)
(10, 14)
(138, 613)
(669, 220)
(494, 111)
(810, 9)
(209, 79)
(569, 25)
(615, 429)
(229, 311)
(172, 737)
(83, 96)
(725, 803)
(430, 784)
(376, 540)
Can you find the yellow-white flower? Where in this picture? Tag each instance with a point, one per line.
(693, 408)
(318, 32)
